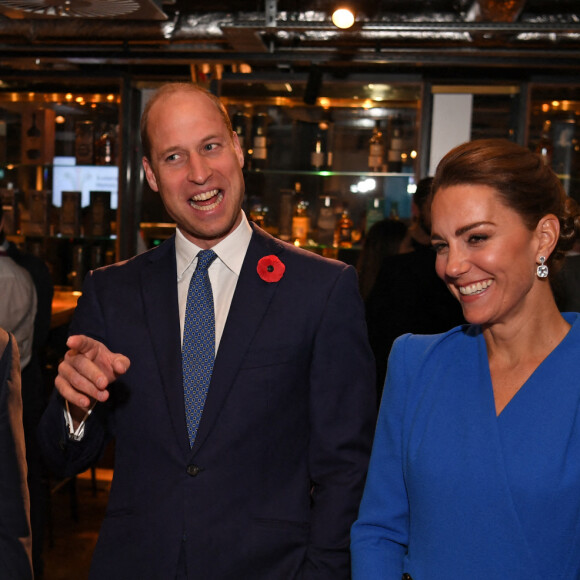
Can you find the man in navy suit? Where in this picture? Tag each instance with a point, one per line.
(273, 480)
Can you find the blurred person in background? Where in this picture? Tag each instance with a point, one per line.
(567, 283)
(383, 239)
(15, 538)
(19, 301)
(419, 232)
(407, 295)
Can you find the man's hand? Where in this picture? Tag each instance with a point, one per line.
(88, 368)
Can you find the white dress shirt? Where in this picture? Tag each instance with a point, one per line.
(224, 272)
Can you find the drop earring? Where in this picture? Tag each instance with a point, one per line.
(542, 270)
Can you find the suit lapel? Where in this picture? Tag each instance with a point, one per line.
(250, 303)
(159, 288)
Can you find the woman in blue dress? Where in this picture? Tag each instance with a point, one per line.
(475, 470)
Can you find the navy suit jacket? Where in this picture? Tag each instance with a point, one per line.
(275, 476)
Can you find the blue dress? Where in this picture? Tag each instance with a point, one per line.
(454, 491)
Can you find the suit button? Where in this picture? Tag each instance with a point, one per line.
(193, 470)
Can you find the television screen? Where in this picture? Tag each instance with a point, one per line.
(66, 176)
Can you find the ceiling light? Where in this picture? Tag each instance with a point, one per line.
(343, 18)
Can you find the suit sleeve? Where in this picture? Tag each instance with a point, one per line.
(343, 413)
(380, 534)
(64, 456)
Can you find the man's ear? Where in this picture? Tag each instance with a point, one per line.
(238, 149)
(149, 175)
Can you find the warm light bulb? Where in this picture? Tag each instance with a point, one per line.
(343, 18)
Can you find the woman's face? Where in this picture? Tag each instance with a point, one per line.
(485, 253)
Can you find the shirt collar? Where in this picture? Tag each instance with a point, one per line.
(231, 250)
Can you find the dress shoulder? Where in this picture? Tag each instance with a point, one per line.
(421, 345)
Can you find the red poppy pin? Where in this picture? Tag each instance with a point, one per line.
(270, 269)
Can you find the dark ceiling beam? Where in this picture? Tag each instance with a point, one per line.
(88, 56)
(124, 30)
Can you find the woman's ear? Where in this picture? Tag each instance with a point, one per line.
(548, 232)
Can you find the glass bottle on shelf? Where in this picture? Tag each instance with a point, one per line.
(317, 155)
(240, 124)
(105, 144)
(545, 146)
(286, 212)
(329, 144)
(375, 212)
(300, 219)
(77, 274)
(344, 230)
(326, 221)
(258, 211)
(84, 142)
(259, 142)
(376, 149)
(394, 161)
(10, 198)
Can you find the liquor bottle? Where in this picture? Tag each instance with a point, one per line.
(329, 145)
(285, 214)
(343, 232)
(259, 142)
(300, 219)
(10, 200)
(105, 146)
(317, 156)
(240, 124)
(375, 212)
(84, 143)
(394, 162)
(376, 149)
(257, 210)
(545, 147)
(326, 221)
(77, 274)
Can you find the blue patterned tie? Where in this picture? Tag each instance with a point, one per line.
(198, 350)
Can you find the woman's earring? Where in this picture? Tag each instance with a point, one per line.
(542, 270)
